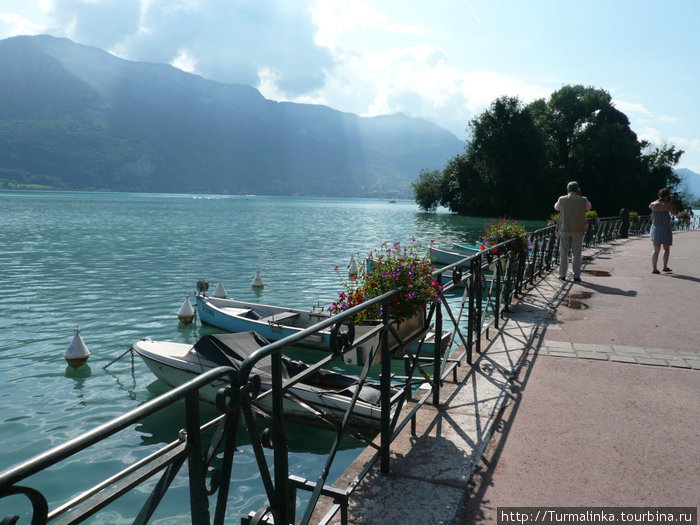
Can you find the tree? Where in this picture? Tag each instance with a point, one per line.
(605, 158)
(428, 191)
(507, 152)
(519, 158)
(658, 164)
(500, 169)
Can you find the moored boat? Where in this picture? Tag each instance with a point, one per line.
(271, 322)
(275, 323)
(456, 253)
(326, 391)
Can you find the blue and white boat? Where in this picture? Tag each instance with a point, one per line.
(456, 253)
(275, 323)
(271, 322)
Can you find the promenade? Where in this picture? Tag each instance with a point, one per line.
(588, 396)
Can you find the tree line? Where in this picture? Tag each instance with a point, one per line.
(519, 158)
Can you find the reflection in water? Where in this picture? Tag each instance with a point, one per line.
(79, 373)
(581, 295)
(575, 300)
(597, 273)
(575, 304)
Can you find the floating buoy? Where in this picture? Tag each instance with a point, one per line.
(186, 313)
(352, 267)
(220, 291)
(77, 352)
(257, 281)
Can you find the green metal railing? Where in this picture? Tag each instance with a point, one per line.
(475, 294)
(204, 478)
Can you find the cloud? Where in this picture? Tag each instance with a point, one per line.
(339, 21)
(224, 40)
(13, 25)
(687, 145)
(347, 54)
(417, 80)
(100, 23)
(651, 135)
(232, 41)
(379, 70)
(631, 108)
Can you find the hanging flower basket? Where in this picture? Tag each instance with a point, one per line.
(502, 231)
(387, 269)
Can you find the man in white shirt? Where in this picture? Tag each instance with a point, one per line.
(572, 225)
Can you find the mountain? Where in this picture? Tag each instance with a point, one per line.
(691, 180)
(76, 117)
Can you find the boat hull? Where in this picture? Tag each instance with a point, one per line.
(456, 254)
(274, 323)
(169, 362)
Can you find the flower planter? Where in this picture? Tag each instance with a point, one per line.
(502, 261)
(406, 330)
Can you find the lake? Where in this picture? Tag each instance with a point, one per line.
(119, 266)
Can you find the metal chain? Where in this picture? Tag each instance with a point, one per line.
(130, 349)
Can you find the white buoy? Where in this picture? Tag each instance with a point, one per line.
(186, 313)
(220, 291)
(257, 281)
(77, 352)
(352, 267)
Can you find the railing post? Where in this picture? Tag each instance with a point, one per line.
(385, 387)
(588, 236)
(279, 441)
(437, 355)
(199, 503)
(479, 306)
(499, 291)
(471, 312)
(549, 249)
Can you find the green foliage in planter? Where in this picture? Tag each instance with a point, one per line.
(390, 268)
(505, 230)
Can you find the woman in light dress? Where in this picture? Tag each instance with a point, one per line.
(661, 234)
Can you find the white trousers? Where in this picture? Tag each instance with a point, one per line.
(570, 241)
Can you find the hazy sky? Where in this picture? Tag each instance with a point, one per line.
(444, 60)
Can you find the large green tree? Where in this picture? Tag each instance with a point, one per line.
(519, 158)
(506, 152)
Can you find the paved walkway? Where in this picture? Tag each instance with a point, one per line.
(587, 397)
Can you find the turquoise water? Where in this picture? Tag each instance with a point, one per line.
(120, 266)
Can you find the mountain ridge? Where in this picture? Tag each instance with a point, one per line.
(76, 117)
(691, 180)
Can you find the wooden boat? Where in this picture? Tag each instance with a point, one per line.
(275, 323)
(326, 391)
(456, 253)
(271, 322)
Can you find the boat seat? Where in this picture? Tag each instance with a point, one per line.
(252, 314)
(282, 316)
(240, 312)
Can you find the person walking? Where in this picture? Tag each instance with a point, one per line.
(661, 234)
(572, 225)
